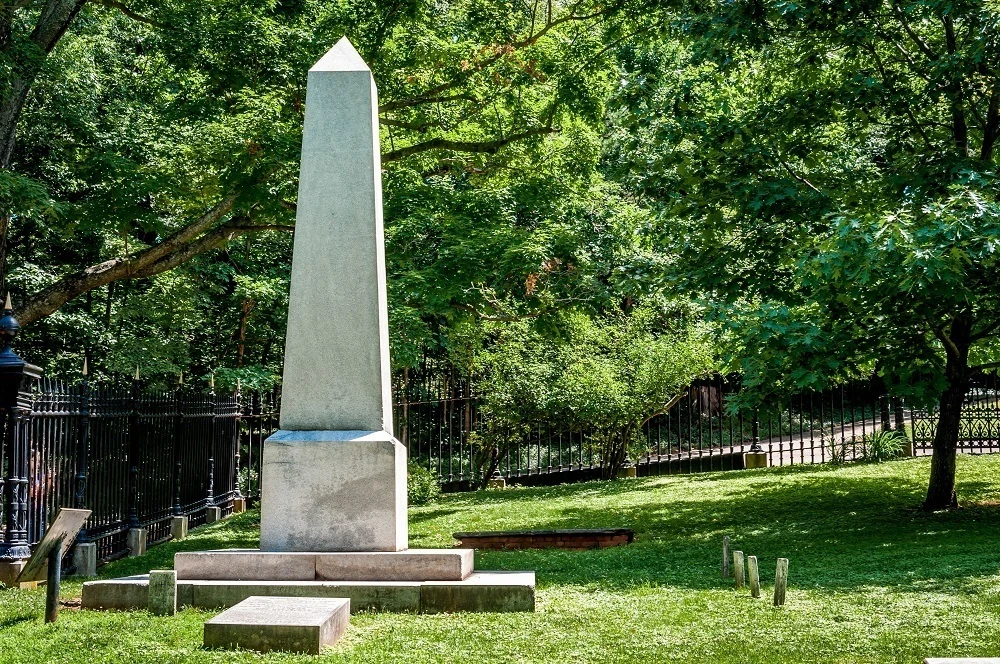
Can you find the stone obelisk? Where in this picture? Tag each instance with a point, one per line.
(334, 477)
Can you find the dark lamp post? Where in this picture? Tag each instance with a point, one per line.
(11, 366)
(14, 402)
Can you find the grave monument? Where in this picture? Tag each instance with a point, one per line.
(333, 504)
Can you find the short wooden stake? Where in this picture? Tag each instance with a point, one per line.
(738, 569)
(725, 557)
(780, 581)
(754, 576)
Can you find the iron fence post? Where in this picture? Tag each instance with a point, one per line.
(133, 453)
(897, 406)
(178, 432)
(755, 433)
(15, 447)
(884, 415)
(237, 442)
(83, 450)
(210, 498)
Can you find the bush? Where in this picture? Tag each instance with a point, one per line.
(421, 485)
(883, 445)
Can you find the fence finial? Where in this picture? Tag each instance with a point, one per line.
(7, 307)
(84, 365)
(136, 372)
(239, 386)
(211, 380)
(180, 378)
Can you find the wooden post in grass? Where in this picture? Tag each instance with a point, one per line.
(780, 581)
(725, 557)
(738, 569)
(754, 576)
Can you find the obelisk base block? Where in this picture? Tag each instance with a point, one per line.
(333, 491)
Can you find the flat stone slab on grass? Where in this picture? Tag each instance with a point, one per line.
(280, 624)
(255, 565)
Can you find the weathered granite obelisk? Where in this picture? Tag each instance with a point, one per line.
(334, 477)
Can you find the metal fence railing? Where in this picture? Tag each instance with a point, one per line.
(135, 457)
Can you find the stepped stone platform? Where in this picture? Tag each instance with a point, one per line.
(255, 565)
(280, 624)
(417, 580)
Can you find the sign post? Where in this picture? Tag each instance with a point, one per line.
(46, 559)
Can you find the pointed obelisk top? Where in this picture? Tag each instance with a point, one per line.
(342, 57)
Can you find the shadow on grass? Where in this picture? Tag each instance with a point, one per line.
(841, 529)
(12, 622)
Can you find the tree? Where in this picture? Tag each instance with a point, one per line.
(606, 377)
(174, 127)
(828, 174)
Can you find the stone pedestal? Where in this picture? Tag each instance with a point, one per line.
(333, 491)
(179, 527)
(85, 559)
(239, 505)
(9, 571)
(755, 460)
(136, 542)
(213, 514)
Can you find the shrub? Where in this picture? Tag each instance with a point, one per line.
(421, 485)
(883, 445)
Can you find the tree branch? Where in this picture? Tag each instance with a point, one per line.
(921, 44)
(482, 147)
(124, 9)
(799, 177)
(946, 340)
(130, 267)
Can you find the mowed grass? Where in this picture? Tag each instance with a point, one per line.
(872, 578)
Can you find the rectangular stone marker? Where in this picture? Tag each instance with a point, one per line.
(213, 514)
(334, 477)
(754, 576)
(725, 556)
(738, 569)
(780, 581)
(162, 592)
(280, 624)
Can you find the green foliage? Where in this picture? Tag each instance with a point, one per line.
(883, 446)
(421, 485)
(813, 186)
(606, 376)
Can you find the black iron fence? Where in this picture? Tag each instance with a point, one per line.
(979, 428)
(136, 457)
(440, 420)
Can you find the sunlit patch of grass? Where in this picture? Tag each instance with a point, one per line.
(872, 577)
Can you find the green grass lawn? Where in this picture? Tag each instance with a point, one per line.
(871, 578)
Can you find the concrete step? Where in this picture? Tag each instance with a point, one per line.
(479, 592)
(256, 565)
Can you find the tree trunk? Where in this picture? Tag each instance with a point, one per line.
(941, 488)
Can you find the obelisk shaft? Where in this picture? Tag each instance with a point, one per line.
(334, 477)
(336, 374)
